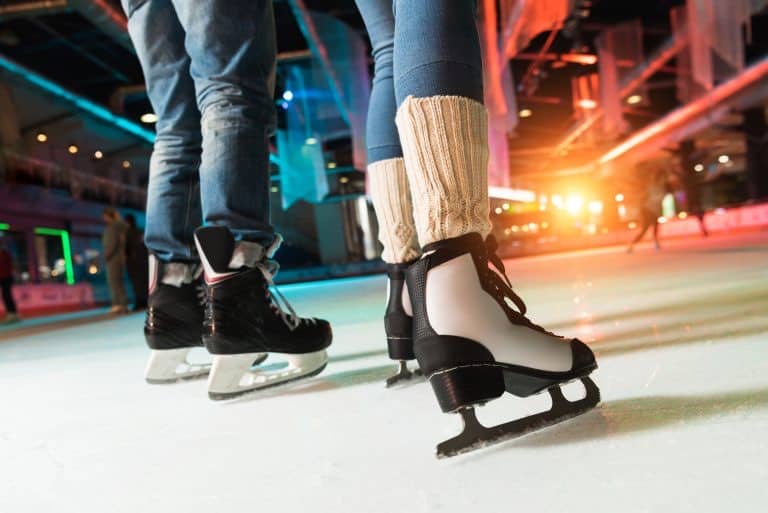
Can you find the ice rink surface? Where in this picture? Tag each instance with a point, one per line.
(681, 337)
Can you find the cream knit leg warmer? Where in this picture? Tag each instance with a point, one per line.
(445, 144)
(394, 210)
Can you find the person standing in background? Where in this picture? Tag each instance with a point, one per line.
(650, 208)
(113, 242)
(136, 262)
(6, 282)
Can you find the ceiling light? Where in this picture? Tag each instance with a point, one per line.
(98, 154)
(525, 113)
(634, 99)
(343, 179)
(331, 165)
(274, 188)
(42, 137)
(585, 59)
(587, 103)
(723, 159)
(72, 149)
(288, 95)
(149, 117)
(311, 140)
(698, 168)
(619, 197)
(126, 164)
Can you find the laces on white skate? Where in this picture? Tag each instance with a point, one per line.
(502, 286)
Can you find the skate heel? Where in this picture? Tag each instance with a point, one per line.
(171, 365)
(400, 348)
(463, 387)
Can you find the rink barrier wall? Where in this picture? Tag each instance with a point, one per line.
(45, 298)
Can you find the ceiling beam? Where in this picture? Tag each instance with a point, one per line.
(634, 79)
(689, 115)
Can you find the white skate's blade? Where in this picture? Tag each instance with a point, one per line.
(403, 374)
(233, 375)
(171, 365)
(475, 435)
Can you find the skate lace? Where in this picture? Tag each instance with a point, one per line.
(502, 288)
(200, 289)
(276, 300)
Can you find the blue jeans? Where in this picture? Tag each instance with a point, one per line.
(209, 66)
(420, 48)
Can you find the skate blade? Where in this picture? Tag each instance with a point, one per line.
(476, 436)
(403, 374)
(166, 366)
(170, 366)
(228, 381)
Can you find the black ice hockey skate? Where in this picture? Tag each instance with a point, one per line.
(474, 342)
(398, 326)
(243, 319)
(174, 322)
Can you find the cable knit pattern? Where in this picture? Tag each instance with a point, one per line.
(445, 144)
(394, 210)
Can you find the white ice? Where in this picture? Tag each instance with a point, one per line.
(683, 427)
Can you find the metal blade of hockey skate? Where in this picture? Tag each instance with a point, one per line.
(475, 435)
(403, 374)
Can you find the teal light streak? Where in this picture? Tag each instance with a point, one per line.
(84, 104)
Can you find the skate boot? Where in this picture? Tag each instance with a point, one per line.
(174, 321)
(398, 324)
(244, 319)
(473, 341)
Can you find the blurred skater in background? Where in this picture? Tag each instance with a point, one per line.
(656, 188)
(6, 282)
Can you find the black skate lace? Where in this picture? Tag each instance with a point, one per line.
(202, 295)
(502, 288)
(277, 301)
(200, 288)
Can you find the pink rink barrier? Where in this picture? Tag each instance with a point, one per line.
(719, 220)
(51, 297)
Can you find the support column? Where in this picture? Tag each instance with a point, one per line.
(756, 134)
(689, 177)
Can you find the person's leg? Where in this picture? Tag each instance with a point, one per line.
(112, 279)
(386, 169)
(441, 118)
(232, 48)
(173, 194)
(388, 184)
(471, 335)
(121, 294)
(174, 319)
(655, 223)
(8, 301)
(644, 228)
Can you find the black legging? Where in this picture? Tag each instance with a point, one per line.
(649, 219)
(10, 304)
